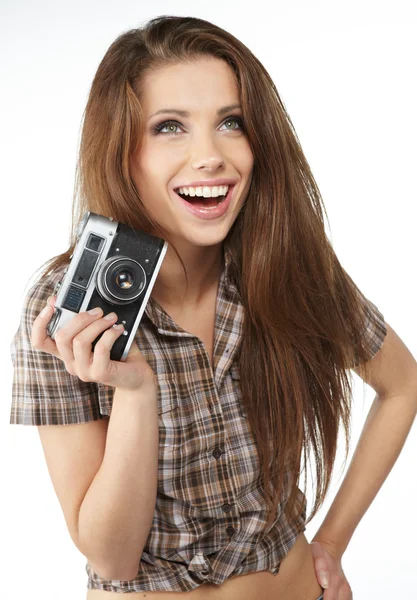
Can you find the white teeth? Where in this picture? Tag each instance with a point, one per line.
(205, 191)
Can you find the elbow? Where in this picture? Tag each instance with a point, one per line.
(124, 569)
(119, 572)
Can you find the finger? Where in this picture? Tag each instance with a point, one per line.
(320, 564)
(102, 367)
(82, 344)
(64, 336)
(323, 575)
(51, 301)
(39, 338)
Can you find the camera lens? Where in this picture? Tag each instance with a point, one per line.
(124, 280)
(120, 280)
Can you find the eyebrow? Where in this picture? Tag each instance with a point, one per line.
(185, 113)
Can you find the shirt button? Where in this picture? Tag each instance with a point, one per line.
(217, 453)
(226, 508)
(230, 530)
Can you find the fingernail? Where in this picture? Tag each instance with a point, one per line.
(324, 579)
(94, 311)
(110, 316)
(118, 326)
(45, 310)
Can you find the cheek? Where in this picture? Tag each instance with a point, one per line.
(245, 160)
(151, 173)
(155, 164)
(242, 156)
(142, 170)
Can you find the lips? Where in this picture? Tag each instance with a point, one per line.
(208, 212)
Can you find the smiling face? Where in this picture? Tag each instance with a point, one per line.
(205, 146)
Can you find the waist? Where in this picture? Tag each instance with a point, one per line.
(296, 580)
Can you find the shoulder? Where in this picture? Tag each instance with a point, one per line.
(43, 391)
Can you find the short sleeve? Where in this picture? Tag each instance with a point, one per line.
(375, 329)
(43, 392)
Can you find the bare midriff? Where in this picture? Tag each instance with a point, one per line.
(296, 580)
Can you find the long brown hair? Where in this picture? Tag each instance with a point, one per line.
(304, 316)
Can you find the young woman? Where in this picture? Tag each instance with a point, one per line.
(177, 471)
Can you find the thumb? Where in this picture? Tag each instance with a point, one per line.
(317, 550)
(133, 350)
(320, 563)
(135, 356)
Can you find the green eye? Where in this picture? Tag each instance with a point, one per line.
(174, 124)
(234, 120)
(167, 124)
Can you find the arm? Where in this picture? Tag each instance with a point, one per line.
(393, 375)
(116, 514)
(104, 472)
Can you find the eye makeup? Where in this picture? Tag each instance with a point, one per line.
(157, 129)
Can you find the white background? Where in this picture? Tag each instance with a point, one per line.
(346, 73)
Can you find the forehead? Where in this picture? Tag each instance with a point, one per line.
(206, 81)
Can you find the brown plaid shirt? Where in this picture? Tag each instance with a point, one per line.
(209, 521)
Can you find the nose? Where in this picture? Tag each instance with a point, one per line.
(206, 155)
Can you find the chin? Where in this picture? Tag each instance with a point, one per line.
(201, 239)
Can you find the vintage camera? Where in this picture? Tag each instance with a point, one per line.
(113, 266)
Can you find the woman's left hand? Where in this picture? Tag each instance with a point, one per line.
(328, 563)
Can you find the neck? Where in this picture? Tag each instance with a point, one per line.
(204, 266)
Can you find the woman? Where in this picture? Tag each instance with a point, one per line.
(178, 470)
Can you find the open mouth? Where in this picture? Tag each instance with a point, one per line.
(202, 201)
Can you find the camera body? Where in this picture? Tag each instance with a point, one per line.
(114, 267)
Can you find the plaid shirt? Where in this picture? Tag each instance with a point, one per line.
(209, 521)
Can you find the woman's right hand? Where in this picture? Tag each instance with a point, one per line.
(73, 345)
